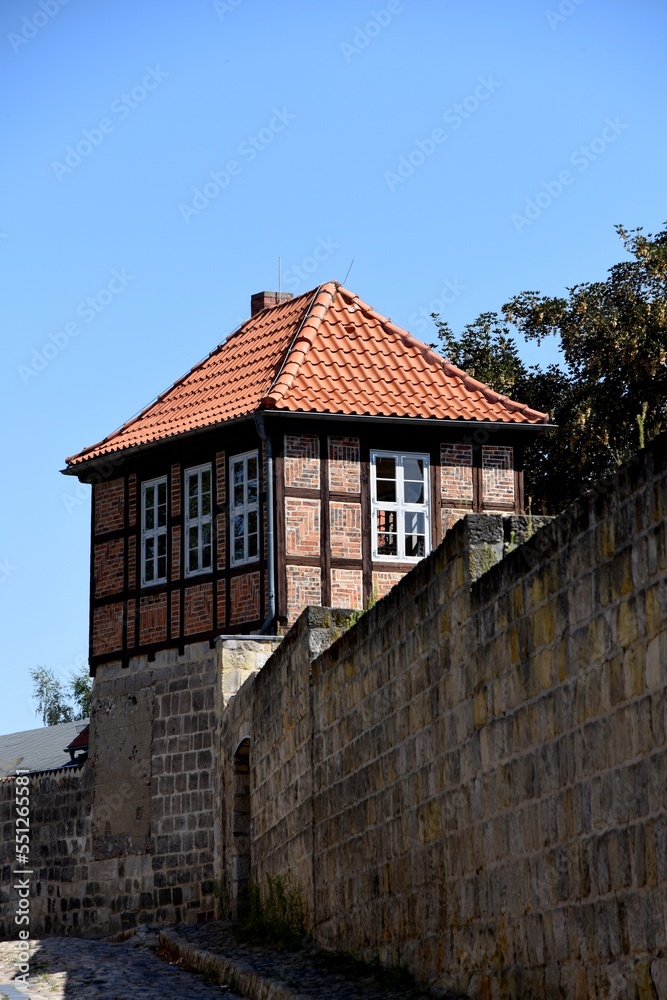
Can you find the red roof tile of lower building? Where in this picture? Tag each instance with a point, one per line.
(325, 352)
(81, 741)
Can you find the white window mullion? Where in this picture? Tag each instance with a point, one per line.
(400, 506)
(198, 542)
(154, 531)
(244, 508)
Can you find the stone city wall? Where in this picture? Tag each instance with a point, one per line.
(487, 757)
(63, 889)
(134, 835)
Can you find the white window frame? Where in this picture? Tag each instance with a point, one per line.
(400, 506)
(244, 508)
(199, 521)
(155, 533)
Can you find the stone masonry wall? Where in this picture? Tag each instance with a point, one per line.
(63, 888)
(273, 710)
(488, 757)
(134, 835)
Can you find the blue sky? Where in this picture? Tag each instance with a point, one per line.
(160, 157)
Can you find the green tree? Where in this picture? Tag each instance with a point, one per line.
(485, 350)
(58, 702)
(609, 396)
(81, 692)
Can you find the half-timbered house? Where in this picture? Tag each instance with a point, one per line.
(312, 458)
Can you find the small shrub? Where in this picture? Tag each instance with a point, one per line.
(359, 613)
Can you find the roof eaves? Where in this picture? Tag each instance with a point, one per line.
(118, 455)
(448, 422)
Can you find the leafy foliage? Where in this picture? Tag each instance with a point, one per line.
(609, 397)
(484, 350)
(58, 702)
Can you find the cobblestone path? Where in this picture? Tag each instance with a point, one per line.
(63, 968)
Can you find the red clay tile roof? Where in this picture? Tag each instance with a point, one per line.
(80, 741)
(325, 351)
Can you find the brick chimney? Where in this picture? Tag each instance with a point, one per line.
(264, 300)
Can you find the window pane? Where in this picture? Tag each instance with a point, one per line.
(149, 549)
(252, 546)
(252, 522)
(414, 545)
(252, 493)
(414, 492)
(161, 516)
(252, 469)
(206, 534)
(149, 496)
(193, 560)
(149, 570)
(238, 548)
(162, 567)
(162, 545)
(413, 468)
(238, 495)
(414, 524)
(206, 492)
(150, 519)
(238, 472)
(385, 468)
(415, 527)
(193, 537)
(387, 544)
(206, 557)
(239, 526)
(193, 497)
(386, 490)
(387, 521)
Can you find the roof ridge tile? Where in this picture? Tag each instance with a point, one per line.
(296, 354)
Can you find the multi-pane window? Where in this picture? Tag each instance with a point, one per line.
(244, 479)
(400, 505)
(198, 521)
(154, 531)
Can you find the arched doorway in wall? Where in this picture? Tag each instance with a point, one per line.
(241, 830)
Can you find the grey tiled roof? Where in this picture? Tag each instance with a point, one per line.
(38, 749)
